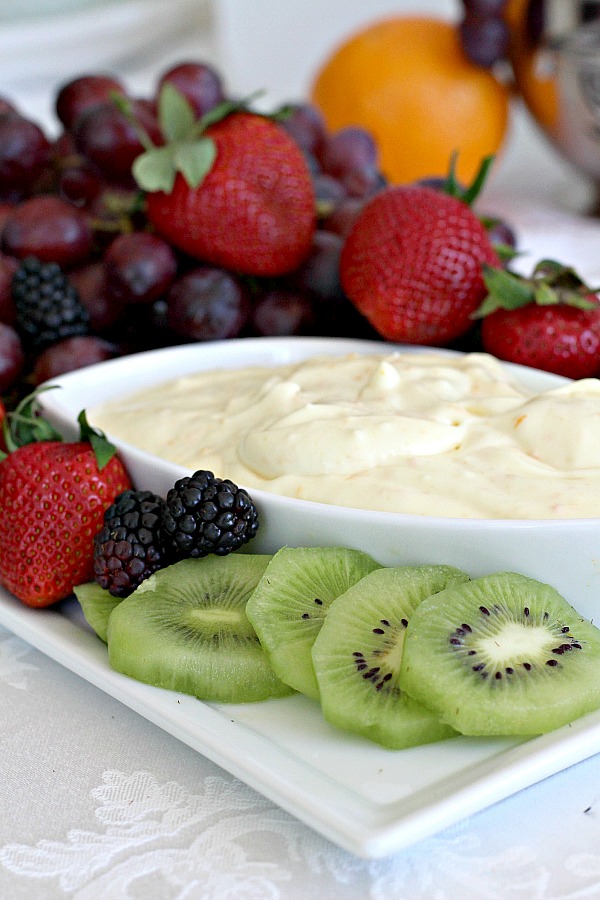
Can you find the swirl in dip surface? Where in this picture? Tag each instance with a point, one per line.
(418, 433)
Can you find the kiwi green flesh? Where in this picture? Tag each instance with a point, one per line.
(185, 629)
(291, 602)
(358, 652)
(97, 604)
(502, 655)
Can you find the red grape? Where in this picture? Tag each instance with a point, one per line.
(500, 232)
(343, 216)
(79, 185)
(6, 210)
(8, 312)
(25, 151)
(49, 228)
(306, 124)
(199, 83)
(12, 358)
(115, 210)
(84, 93)
(71, 354)
(281, 313)
(207, 304)
(90, 282)
(319, 273)
(139, 267)
(329, 192)
(351, 156)
(485, 40)
(484, 8)
(108, 138)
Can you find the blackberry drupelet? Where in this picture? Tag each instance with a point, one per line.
(130, 546)
(206, 515)
(48, 306)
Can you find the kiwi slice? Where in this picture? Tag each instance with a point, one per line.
(291, 601)
(97, 605)
(185, 629)
(502, 655)
(358, 651)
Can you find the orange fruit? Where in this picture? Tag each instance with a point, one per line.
(408, 82)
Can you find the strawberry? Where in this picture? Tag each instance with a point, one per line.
(550, 321)
(232, 189)
(412, 264)
(52, 500)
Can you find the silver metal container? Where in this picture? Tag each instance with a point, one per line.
(556, 60)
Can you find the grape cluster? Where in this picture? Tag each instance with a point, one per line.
(484, 32)
(73, 202)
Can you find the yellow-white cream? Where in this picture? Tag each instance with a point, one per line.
(427, 434)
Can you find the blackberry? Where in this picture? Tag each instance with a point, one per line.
(206, 515)
(129, 547)
(48, 306)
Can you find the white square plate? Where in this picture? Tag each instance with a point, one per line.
(367, 800)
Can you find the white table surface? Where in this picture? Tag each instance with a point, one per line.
(99, 803)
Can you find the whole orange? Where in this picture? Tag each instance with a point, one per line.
(408, 82)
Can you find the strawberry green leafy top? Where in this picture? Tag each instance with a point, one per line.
(25, 425)
(188, 149)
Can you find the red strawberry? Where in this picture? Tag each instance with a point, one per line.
(2, 418)
(232, 189)
(550, 321)
(412, 264)
(52, 500)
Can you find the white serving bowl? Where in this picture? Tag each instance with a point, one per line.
(563, 553)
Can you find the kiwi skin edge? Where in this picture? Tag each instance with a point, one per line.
(96, 604)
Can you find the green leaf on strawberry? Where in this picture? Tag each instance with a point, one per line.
(505, 291)
(102, 447)
(551, 283)
(188, 149)
(549, 321)
(154, 170)
(468, 194)
(194, 159)
(175, 115)
(25, 425)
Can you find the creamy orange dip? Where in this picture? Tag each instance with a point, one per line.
(426, 434)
